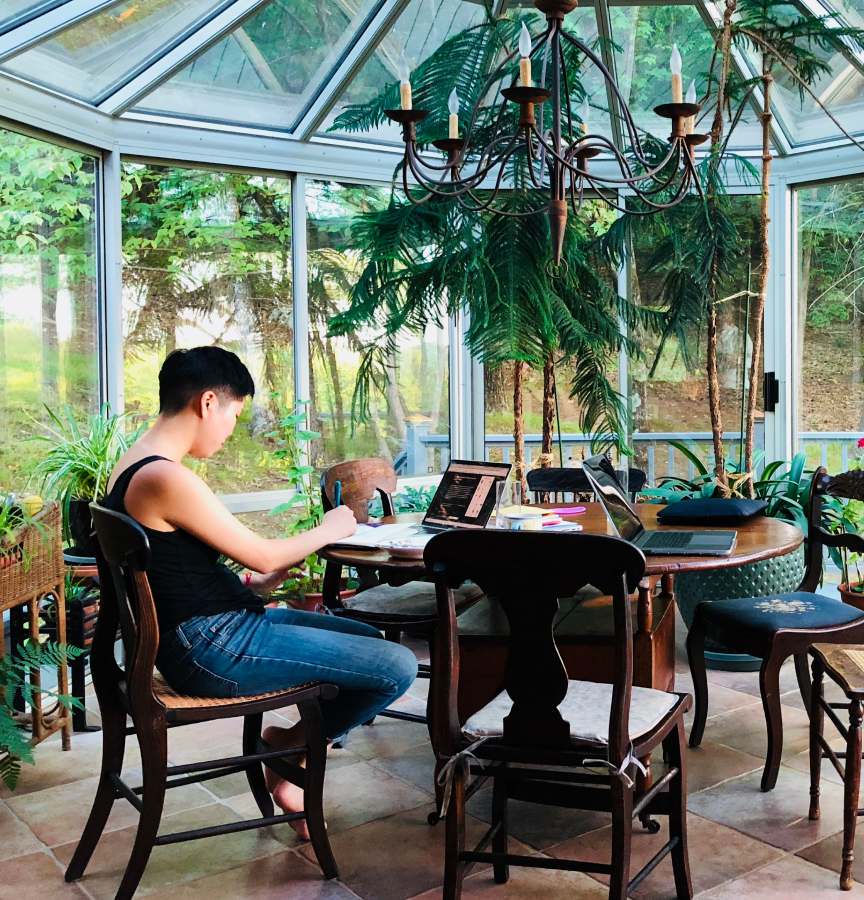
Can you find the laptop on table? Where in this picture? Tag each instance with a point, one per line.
(465, 498)
(628, 525)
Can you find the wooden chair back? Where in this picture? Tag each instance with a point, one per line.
(846, 486)
(361, 480)
(123, 557)
(556, 484)
(528, 573)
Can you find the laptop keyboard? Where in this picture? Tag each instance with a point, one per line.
(668, 540)
(430, 529)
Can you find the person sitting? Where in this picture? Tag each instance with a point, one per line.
(217, 639)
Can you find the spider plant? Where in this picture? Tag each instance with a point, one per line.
(79, 460)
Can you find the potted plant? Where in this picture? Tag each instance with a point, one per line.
(77, 466)
(788, 497)
(303, 588)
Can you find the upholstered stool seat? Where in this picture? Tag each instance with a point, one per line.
(415, 600)
(587, 707)
(762, 616)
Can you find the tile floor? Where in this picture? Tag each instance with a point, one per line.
(743, 843)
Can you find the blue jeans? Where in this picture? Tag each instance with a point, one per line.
(239, 653)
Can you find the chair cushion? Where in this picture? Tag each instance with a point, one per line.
(586, 707)
(761, 616)
(413, 600)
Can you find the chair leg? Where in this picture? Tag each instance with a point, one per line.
(673, 746)
(255, 771)
(454, 839)
(696, 657)
(769, 686)
(817, 724)
(622, 836)
(802, 673)
(851, 787)
(499, 816)
(313, 795)
(154, 760)
(113, 748)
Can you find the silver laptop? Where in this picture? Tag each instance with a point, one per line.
(628, 525)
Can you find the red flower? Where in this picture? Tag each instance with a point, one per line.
(861, 442)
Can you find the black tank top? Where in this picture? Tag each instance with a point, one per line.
(185, 574)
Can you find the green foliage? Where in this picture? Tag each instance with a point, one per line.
(15, 748)
(292, 452)
(408, 500)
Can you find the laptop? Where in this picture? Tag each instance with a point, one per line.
(465, 498)
(627, 524)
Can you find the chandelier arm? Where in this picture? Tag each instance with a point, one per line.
(529, 159)
(654, 207)
(569, 106)
(448, 167)
(633, 134)
(407, 189)
(416, 164)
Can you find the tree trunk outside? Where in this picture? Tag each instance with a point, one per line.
(440, 375)
(338, 404)
(519, 427)
(394, 399)
(545, 461)
(803, 300)
(759, 305)
(383, 449)
(49, 270)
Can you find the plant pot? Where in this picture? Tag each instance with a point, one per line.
(852, 597)
(312, 602)
(770, 576)
(79, 524)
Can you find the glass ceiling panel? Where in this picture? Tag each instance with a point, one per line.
(95, 57)
(24, 10)
(852, 11)
(645, 36)
(419, 31)
(256, 76)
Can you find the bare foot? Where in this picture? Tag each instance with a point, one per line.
(288, 797)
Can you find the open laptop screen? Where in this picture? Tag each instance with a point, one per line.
(600, 472)
(467, 494)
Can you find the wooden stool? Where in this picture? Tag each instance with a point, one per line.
(844, 665)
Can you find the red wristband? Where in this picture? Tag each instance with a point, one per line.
(248, 579)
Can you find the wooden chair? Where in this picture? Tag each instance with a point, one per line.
(137, 691)
(844, 664)
(556, 484)
(544, 720)
(396, 607)
(783, 625)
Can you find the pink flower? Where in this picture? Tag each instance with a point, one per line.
(861, 442)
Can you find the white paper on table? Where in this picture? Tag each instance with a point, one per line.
(367, 537)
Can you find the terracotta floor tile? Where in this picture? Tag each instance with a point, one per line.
(778, 817)
(788, 878)
(529, 884)
(720, 699)
(717, 855)
(712, 763)
(175, 863)
(385, 737)
(748, 682)
(398, 857)
(58, 815)
(36, 877)
(17, 838)
(416, 764)
(828, 854)
(284, 876)
(55, 766)
(801, 763)
(745, 730)
(354, 795)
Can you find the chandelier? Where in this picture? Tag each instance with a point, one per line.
(556, 157)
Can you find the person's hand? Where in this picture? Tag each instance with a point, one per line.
(339, 523)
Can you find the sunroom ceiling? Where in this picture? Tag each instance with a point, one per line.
(291, 66)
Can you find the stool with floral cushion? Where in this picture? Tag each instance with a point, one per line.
(776, 627)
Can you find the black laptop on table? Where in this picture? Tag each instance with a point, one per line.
(628, 525)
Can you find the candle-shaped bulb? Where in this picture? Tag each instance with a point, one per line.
(690, 121)
(453, 106)
(675, 69)
(584, 114)
(525, 53)
(404, 81)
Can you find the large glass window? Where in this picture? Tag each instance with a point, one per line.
(830, 319)
(408, 411)
(207, 260)
(49, 349)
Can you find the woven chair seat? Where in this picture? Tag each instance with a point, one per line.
(415, 600)
(172, 700)
(845, 664)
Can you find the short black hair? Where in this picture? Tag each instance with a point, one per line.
(186, 374)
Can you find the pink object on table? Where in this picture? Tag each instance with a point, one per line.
(567, 510)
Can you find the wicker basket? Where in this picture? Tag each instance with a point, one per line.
(32, 558)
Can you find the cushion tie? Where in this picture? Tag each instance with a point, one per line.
(629, 760)
(459, 763)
